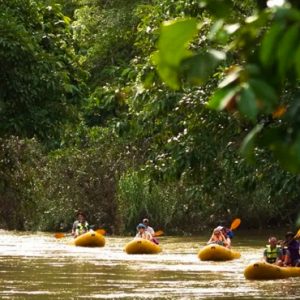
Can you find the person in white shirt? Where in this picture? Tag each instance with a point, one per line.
(143, 233)
(148, 228)
(151, 231)
(80, 226)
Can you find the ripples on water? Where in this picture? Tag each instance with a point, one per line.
(40, 267)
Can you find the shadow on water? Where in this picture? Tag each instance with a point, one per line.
(40, 267)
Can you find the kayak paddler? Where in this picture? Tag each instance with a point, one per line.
(273, 252)
(143, 233)
(218, 237)
(293, 256)
(150, 230)
(80, 226)
(228, 234)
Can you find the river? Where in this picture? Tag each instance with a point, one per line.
(38, 266)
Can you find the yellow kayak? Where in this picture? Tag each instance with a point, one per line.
(89, 239)
(142, 246)
(265, 271)
(216, 252)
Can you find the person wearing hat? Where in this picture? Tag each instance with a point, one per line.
(218, 237)
(148, 228)
(292, 254)
(80, 226)
(143, 233)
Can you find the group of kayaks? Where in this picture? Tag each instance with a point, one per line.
(136, 246)
(254, 271)
(212, 252)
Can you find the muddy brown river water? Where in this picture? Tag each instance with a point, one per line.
(37, 266)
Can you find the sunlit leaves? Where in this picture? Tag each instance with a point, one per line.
(223, 98)
(176, 62)
(245, 90)
(173, 48)
(269, 49)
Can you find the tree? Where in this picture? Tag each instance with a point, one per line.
(260, 75)
(41, 80)
(185, 142)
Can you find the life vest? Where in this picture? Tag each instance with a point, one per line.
(271, 254)
(82, 228)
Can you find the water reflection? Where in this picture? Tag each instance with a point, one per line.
(40, 267)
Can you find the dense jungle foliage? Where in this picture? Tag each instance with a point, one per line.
(184, 111)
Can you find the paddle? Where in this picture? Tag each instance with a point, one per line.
(297, 235)
(158, 233)
(235, 224)
(60, 235)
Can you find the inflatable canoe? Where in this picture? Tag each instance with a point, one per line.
(216, 252)
(265, 271)
(89, 239)
(142, 246)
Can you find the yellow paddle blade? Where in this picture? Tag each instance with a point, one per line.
(235, 224)
(59, 235)
(158, 233)
(297, 235)
(101, 231)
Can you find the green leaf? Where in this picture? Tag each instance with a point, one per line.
(285, 149)
(265, 93)
(172, 48)
(248, 145)
(247, 102)
(222, 97)
(297, 62)
(174, 38)
(230, 78)
(269, 43)
(253, 70)
(285, 52)
(215, 29)
(67, 20)
(199, 67)
(287, 13)
(288, 156)
(169, 74)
